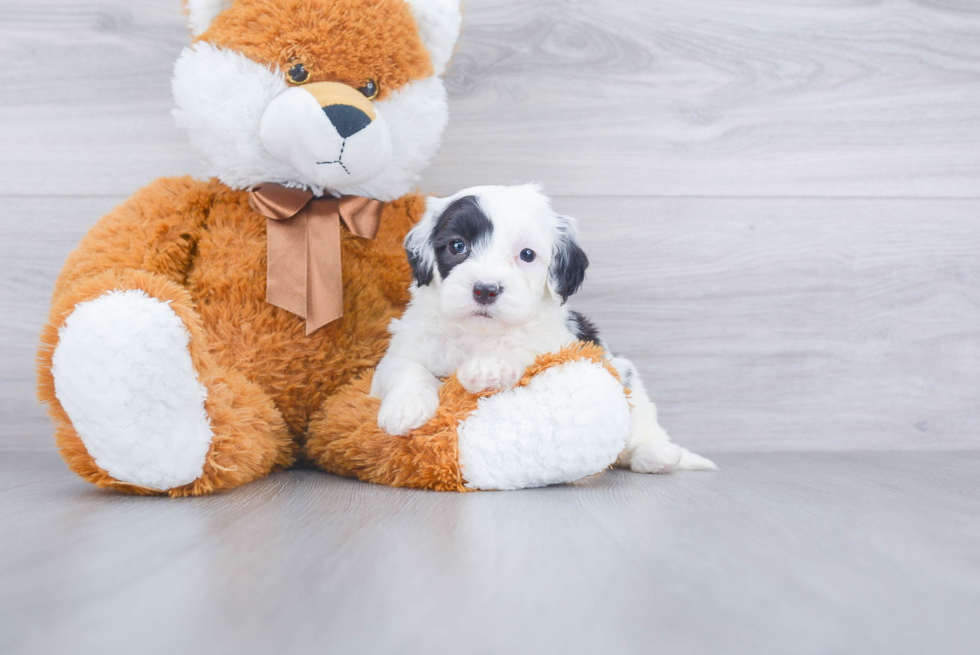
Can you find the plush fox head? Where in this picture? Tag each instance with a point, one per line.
(339, 96)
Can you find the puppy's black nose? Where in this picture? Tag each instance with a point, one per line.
(348, 120)
(485, 293)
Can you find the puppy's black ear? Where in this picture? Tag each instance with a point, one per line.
(418, 245)
(421, 269)
(568, 261)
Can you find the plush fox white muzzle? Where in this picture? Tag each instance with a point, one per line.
(328, 132)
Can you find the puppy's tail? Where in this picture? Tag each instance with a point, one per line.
(694, 462)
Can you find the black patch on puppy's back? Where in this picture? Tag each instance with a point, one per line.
(463, 219)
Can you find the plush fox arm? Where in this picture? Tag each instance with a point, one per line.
(156, 230)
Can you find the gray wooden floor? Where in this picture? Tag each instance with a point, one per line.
(781, 202)
(776, 553)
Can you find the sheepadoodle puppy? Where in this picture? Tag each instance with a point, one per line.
(494, 267)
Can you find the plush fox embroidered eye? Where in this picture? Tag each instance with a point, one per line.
(369, 90)
(297, 73)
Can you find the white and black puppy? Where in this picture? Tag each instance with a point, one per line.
(493, 268)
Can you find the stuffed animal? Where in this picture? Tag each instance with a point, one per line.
(208, 332)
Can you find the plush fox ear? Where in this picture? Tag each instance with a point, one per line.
(200, 13)
(439, 22)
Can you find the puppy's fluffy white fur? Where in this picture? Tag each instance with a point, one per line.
(493, 268)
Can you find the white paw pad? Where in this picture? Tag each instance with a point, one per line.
(123, 374)
(489, 374)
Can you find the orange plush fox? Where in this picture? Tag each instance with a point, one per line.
(207, 332)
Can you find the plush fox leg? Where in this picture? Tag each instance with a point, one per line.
(139, 402)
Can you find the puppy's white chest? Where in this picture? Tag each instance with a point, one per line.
(456, 348)
(453, 349)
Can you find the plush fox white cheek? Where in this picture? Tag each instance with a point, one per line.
(295, 130)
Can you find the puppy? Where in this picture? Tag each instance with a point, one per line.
(493, 268)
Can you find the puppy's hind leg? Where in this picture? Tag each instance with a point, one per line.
(649, 449)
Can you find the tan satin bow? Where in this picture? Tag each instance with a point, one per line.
(303, 233)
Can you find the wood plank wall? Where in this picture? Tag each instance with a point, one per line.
(781, 200)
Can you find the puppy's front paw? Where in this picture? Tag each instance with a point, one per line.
(489, 373)
(403, 410)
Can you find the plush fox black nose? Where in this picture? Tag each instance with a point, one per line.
(348, 120)
(485, 293)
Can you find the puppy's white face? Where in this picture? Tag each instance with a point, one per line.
(494, 256)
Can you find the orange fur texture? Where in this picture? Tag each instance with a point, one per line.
(200, 246)
(379, 39)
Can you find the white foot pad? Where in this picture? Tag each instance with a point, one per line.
(123, 374)
(568, 422)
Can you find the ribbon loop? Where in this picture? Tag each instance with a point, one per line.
(362, 216)
(278, 202)
(303, 254)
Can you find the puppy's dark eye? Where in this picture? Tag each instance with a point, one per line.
(457, 247)
(297, 73)
(370, 89)
(527, 255)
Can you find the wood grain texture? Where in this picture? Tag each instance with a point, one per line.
(718, 98)
(621, 97)
(36, 235)
(797, 323)
(775, 553)
(85, 96)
